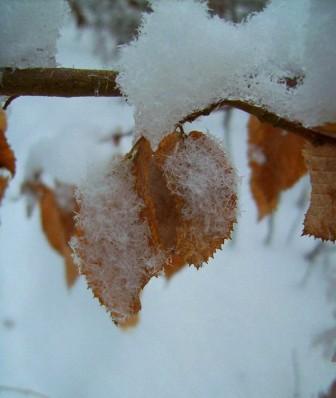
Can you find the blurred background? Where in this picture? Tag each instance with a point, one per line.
(257, 321)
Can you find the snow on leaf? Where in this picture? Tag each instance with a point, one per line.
(153, 211)
(7, 158)
(276, 163)
(203, 185)
(320, 219)
(115, 250)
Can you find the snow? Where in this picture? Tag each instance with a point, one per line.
(230, 329)
(113, 252)
(241, 326)
(184, 60)
(29, 31)
(199, 171)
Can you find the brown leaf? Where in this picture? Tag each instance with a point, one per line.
(172, 232)
(115, 250)
(160, 211)
(320, 219)
(327, 129)
(130, 323)
(57, 219)
(3, 186)
(276, 163)
(331, 393)
(198, 213)
(7, 159)
(152, 219)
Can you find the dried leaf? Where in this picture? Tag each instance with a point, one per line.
(331, 392)
(148, 220)
(130, 323)
(7, 159)
(276, 162)
(115, 250)
(327, 129)
(3, 186)
(320, 219)
(57, 219)
(160, 208)
(203, 186)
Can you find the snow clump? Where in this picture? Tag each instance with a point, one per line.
(113, 248)
(200, 173)
(282, 58)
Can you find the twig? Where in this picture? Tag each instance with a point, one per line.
(270, 230)
(296, 375)
(80, 18)
(314, 136)
(9, 101)
(315, 252)
(23, 391)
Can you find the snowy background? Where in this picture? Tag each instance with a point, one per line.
(244, 325)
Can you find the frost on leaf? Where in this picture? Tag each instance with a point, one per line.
(153, 211)
(7, 159)
(276, 162)
(203, 185)
(320, 219)
(115, 250)
(57, 209)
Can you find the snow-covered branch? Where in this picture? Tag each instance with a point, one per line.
(67, 82)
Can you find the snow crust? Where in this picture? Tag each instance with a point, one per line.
(114, 252)
(283, 58)
(29, 31)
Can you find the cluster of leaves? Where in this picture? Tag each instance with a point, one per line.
(277, 159)
(185, 211)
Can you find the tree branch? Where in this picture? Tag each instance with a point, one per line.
(58, 82)
(67, 82)
(316, 137)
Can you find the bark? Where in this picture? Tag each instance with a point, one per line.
(58, 82)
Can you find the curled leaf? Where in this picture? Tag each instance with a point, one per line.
(7, 158)
(276, 162)
(320, 219)
(57, 210)
(327, 129)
